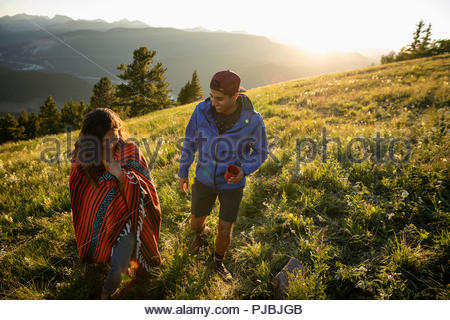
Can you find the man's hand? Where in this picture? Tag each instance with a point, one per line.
(184, 184)
(238, 178)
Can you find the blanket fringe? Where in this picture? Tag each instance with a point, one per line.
(127, 228)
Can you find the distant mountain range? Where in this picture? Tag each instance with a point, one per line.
(24, 22)
(89, 49)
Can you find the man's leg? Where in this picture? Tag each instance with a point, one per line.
(203, 199)
(223, 238)
(229, 208)
(198, 224)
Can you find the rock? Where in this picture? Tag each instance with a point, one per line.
(281, 281)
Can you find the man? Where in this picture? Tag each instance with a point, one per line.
(225, 129)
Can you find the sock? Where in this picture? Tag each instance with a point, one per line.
(218, 257)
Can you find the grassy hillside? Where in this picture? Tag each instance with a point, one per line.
(368, 230)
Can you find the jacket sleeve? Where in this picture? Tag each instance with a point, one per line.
(258, 144)
(190, 145)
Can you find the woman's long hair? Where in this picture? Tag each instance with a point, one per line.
(89, 148)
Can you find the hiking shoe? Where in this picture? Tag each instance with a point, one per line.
(200, 240)
(222, 271)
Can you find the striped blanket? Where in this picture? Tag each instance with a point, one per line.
(101, 216)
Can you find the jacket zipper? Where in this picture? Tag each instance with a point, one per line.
(217, 149)
(215, 160)
(217, 145)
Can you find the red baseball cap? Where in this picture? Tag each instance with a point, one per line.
(227, 82)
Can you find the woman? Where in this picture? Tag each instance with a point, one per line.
(116, 211)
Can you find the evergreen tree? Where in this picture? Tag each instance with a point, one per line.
(196, 88)
(50, 118)
(22, 125)
(390, 57)
(8, 128)
(104, 95)
(23, 118)
(440, 46)
(426, 40)
(416, 36)
(144, 89)
(72, 114)
(183, 95)
(32, 128)
(3, 130)
(421, 46)
(192, 90)
(84, 109)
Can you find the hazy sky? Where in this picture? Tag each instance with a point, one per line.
(316, 25)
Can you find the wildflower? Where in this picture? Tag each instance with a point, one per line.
(389, 277)
(360, 285)
(361, 268)
(338, 274)
(8, 218)
(405, 194)
(47, 201)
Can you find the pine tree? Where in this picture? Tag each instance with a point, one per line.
(8, 128)
(196, 88)
(192, 90)
(425, 41)
(22, 125)
(144, 89)
(23, 118)
(421, 46)
(440, 46)
(183, 95)
(3, 137)
(72, 114)
(104, 95)
(32, 128)
(50, 118)
(83, 109)
(416, 36)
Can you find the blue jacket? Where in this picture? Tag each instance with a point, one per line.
(245, 145)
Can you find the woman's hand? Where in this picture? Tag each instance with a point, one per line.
(116, 169)
(113, 166)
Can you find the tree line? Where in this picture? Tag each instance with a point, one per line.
(421, 46)
(143, 89)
